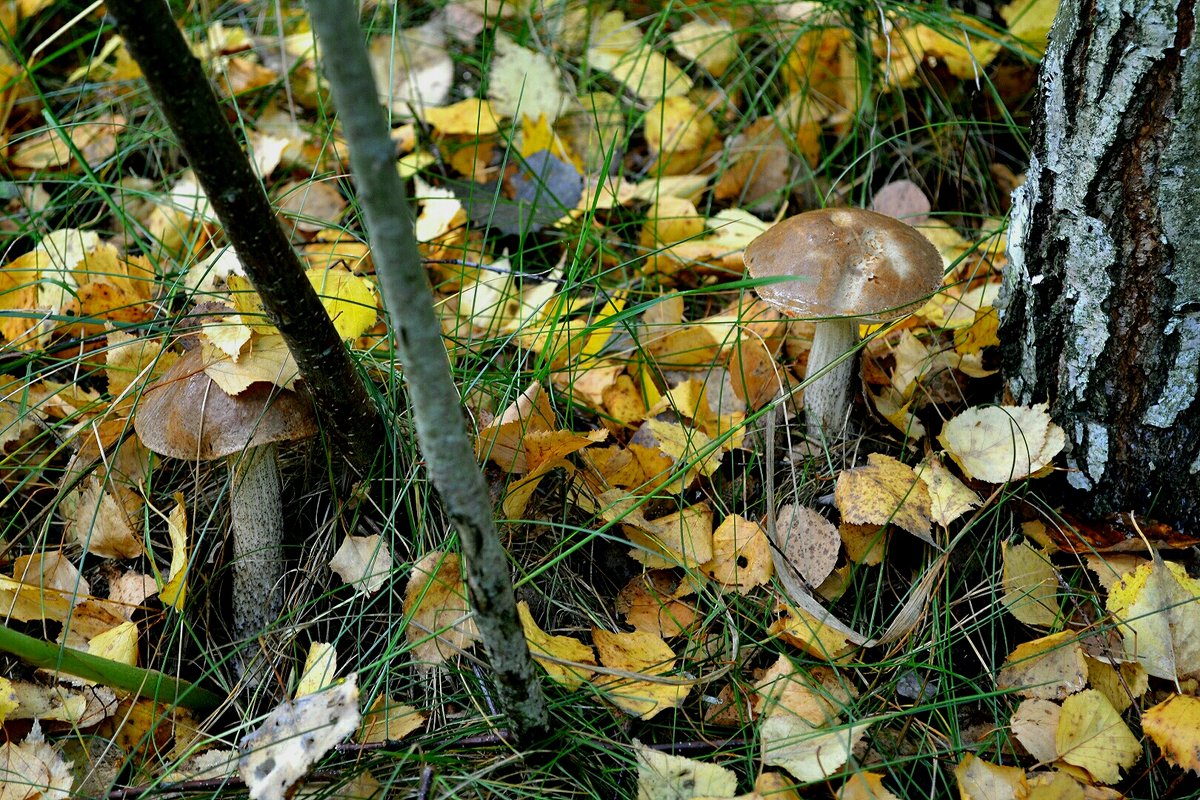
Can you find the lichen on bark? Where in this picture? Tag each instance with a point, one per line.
(1100, 305)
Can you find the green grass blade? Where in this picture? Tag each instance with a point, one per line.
(147, 683)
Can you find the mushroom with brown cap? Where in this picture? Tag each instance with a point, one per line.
(186, 415)
(844, 267)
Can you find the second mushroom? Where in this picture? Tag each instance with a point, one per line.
(842, 267)
(186, 415)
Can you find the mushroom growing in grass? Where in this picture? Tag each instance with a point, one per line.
(843, 267)
(186, 415)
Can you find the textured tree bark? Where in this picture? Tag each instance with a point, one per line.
(436, 407)
(1100, 310)
(236, 194)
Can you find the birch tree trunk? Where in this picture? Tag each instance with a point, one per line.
(1100, 308)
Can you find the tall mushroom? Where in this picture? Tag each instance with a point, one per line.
(186, 415)
(846, 266)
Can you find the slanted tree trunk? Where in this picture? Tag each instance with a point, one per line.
(1101, 301)
(436, 407)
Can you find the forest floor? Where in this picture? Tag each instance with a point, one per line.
(720, 604)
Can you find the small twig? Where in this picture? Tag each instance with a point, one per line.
(426, 782)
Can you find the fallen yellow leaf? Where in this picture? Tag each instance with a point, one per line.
(741, 557)
(320, 669)
(435, 603)
(388, 720)
(466, 117)
(551, 651)
(1092, 735)
(798, 627)
(1030, 585)
(662, 776)
(882, 492)
(1174, 725)
(998, 444)
(638, 653)
(982, 780)
(1049, 668)
(174, 590)
(1159, 618)
(348, 299)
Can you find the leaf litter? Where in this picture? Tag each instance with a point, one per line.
(660, 401)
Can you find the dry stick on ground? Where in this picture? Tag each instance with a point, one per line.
(187, 101)
(441, 428)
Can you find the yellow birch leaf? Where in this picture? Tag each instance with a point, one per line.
(686, 446)
(649, 390)
(550, 651)
(96, 141)
(1049, 668)
(1029, 22)
(670, 220)
(865, 786)
(470, 117)
(865, 544)
(128, 358)
(348, 299)
(818, 695)
(1035, 724)
(638, 653)
(440, 624)
(8, 699)
(662, 776)
(1120, 683)
(756, 377)
(809, 754)
(650, 602)
(982, 780)
(618, 47)
(949, 497)
(99, 519)
(265, 358)
(54, 702)
(680, 134)
(174, 591)
(680, 539)
(364, 562)
(1174, 725)
(388, 720)
(965, 45)
(602, 327)
(517, 495)
(982, 333)
(1092, 735)
(998, 444)
(1030, 586)
(1059, 785)
(320, 669)
(741, 555)
(885, 491)
(24, 602)
(710, 44)
(1159, 611)
(118, 644)
(34, 769)
(796, 626)
(623, 401)
(523, 82)
(249, 306)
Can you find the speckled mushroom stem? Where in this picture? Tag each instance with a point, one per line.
(827, 396)
(256, 511)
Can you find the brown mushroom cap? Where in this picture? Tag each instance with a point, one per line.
(848, 262)
(184, 414)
